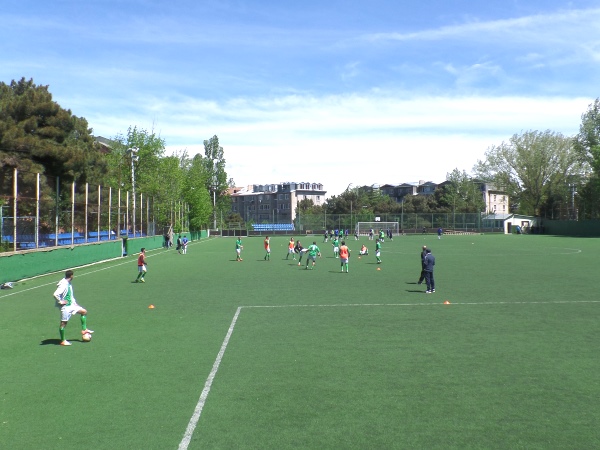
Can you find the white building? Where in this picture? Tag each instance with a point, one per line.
(274, 203)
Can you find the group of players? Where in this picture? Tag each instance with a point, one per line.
(295, 248)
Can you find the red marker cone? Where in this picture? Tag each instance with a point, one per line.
(446, 302)
(151, 307)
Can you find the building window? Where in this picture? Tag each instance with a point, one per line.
(494, 197)
(318, 198)
(287, 196)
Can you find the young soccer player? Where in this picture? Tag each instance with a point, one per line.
(336, 247)
(238, 249)
(378, 250)
(344, 256)
(267, 249)
(300, 250)
(184, 244)
(68, 306)
(313, 252)
(141, 262)
(363, 250)
(291, 250)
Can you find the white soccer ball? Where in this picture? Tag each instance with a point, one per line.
(87, 337)
(8, 285)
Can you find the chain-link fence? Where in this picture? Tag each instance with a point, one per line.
(408, 222)
(43, 211)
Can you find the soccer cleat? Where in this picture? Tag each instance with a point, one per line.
(86, 331)
(428, 292)
(142, 280)
(65, 343)
(298, 263)
(433, 290)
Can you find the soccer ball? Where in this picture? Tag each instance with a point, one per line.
(87, 337)
(7, 285)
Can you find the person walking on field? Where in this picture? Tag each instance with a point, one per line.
(429, 262)
(65, 299)
(378, 250)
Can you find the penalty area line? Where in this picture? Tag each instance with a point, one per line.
(187, 436)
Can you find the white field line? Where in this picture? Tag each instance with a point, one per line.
(183, 445)
(185, 442)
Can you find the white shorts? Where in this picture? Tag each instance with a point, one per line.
(291, 251)
(238, 250)
(344, 260)
(67, 311)
(142, 268)
(378, 253)
(336, 249)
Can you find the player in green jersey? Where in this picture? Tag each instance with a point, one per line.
(378, 250)
(336, 247)
(313, 252)
(238, 249)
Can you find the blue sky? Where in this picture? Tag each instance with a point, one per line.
(335, 92)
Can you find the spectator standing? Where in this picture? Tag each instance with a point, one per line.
(429, 262)
(422, 258)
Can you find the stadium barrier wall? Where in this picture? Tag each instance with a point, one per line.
(586, 228)
(21, 265)
(133, 246)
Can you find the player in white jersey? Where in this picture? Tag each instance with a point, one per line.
(68, 306)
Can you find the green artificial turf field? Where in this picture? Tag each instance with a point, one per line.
(266, 354)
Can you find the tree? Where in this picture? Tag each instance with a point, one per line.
(528, 165)
(37, 135)
(216, 182)
(587, 141)
(587, 146)
(460, 194)
(147, 165)
(196, 195)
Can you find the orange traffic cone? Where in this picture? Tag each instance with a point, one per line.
(151, 307)
(446, 302)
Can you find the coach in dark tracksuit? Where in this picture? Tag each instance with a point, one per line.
(422, 255)
(428, 263)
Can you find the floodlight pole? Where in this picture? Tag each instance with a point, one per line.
(132, 152)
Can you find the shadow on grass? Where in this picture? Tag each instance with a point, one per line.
(50, 342)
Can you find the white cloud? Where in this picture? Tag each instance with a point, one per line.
(382, 138)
